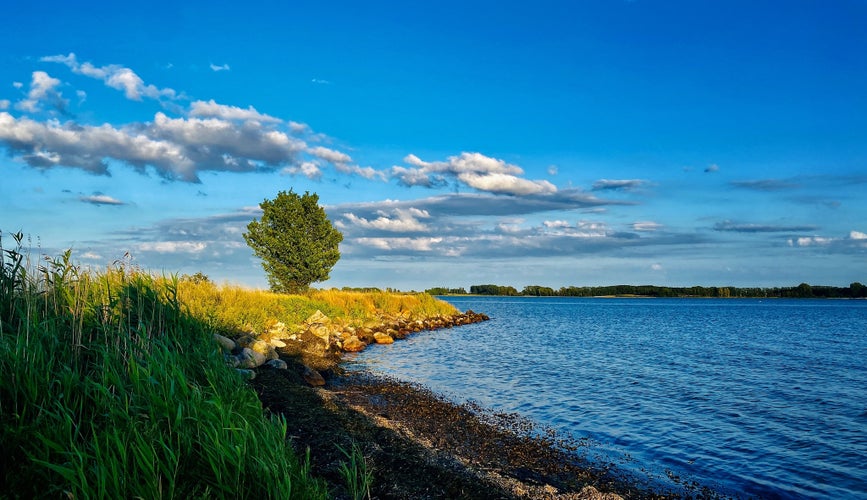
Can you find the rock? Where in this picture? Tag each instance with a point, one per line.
(353, 344)
(246, 374)
(264, 348)
(276, 364)
(277, 343)
(313, 377)
(226, 344)
(381, 338)
(231, 360)
(250, 358)
(275, 330)
(245, 341)
(317, 318)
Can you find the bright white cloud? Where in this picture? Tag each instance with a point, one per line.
(222, 67)
(555, 224)
(398, 220)
(101, 199)
(114, 76)
(43, 88)
(308, 169)
(472, 169)
(211, 109)
(330, 155)
(857, 235)
(389, 244)
(191, 247)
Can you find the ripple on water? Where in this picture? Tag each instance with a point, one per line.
(762, 398)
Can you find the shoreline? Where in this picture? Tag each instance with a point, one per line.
(421, 445)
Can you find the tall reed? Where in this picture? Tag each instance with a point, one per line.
(110, 389)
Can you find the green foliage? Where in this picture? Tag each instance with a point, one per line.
(441, 290)
(111, 390)
(804, 290)
(355, 472)
(295, 240)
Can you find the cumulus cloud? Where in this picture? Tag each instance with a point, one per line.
(396, 220)
(178, 148)
(211, 109)
(475, 170)
(115, 76)
(43, 88)
(424, 244)
(618, 184)
(855, 241)
(222, 67)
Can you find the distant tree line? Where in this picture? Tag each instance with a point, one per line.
(854, 291)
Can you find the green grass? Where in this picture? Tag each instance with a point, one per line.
(112, 389)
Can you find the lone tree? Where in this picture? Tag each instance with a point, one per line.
(295, 240)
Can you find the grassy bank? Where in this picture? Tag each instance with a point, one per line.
(112, 389)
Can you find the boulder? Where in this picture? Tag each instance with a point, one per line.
(353, 344)
(381, 338)
(264, 348)
(246, 374)
(250, 358)
(313, 377)
(276, 364)
(226, 344)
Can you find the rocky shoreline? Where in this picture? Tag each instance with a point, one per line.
(418, 444)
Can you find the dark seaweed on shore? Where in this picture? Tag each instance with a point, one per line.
(421, 445)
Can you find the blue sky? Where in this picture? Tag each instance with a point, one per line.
(453, 143)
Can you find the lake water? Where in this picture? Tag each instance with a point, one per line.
(764, 398)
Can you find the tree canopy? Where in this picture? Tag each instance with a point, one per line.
(295, 240)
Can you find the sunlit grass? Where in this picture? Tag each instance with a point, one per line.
(233, 309)
(112, 390)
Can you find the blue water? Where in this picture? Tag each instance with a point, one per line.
(764, 398)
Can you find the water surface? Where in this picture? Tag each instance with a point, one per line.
(750, 397)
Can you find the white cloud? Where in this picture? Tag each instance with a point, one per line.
(211, 109)
(330, 155)
(857, 235)
(656, 267)
(43, 88)
(4, 104)
(320, 81)
(810, 241)
(101, 199)
(308, 169)
(222, 67)
(114, 76)
(414, 244)
(646, 226)
(191, 247)
(552, 170)
(555, 224)
(472, 169)
(398, 220)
